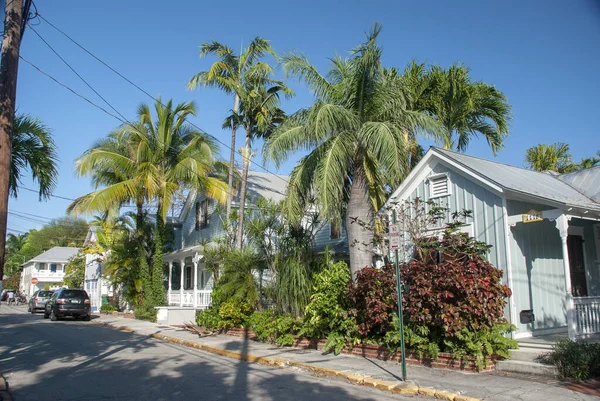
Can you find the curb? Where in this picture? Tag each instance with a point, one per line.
(367, 381)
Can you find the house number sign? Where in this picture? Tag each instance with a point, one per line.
(532, 216)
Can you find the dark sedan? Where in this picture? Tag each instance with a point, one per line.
(68, 302)
(38, 300)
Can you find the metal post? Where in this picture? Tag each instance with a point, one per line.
(400, 317)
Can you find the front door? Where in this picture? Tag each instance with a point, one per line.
(577, 266)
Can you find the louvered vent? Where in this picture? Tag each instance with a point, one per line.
(438, 186)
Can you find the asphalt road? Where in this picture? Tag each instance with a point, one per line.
(75, 360)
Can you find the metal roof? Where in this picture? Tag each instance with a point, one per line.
(585, 181)
(58, 254)
(269, 186)
(541, 185)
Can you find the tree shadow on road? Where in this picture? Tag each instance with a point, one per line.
(69, 360)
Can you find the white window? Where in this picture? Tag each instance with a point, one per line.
(439, 185)
(41, 266)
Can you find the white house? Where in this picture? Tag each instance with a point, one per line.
(46, 269)
(96, 285)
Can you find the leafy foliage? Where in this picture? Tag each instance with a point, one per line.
(374, 300)
(576, 360)
(233, 314)
(292, 287)
(274, 328)
(556, 157)
(238, 281)
(12, 282)
(208, 318)
(75, 271)
(107, 308)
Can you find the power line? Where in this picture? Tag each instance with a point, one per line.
(149, 95)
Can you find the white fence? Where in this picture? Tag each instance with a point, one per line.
(203, 298)
(587, 316)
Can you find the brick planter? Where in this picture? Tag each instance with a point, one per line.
(444, 361)
(123, 314)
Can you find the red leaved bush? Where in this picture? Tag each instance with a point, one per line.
(374, 300)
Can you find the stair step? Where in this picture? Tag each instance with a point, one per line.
(536, 346)
(532, 368)
(526, 354)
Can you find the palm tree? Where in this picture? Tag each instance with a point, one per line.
(555, 157)
(463, 107)
(14, 243)
(234, 74)
(259, 115)
(589, 162)
(33, 147)
(355, 132)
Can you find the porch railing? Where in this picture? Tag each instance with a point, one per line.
(203, 298)
(587, 316)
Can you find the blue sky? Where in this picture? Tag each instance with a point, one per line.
(544, 55)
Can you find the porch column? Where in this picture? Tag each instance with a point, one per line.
(181, 263)
(562, 223)
(170, 284)
(196, 263)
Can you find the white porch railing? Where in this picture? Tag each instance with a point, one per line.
(586, 316)
(203, 298)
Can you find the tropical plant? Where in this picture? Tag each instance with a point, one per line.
(576, 360)
(33, 147)
(355, 132)
(238, 281)
(75, 271)
(463, 107)
(234, 74)
(556, 157)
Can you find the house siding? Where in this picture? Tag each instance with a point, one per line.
(214, 229)
(538, 271)
(486, 206)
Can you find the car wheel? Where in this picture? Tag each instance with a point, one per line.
(53, 316)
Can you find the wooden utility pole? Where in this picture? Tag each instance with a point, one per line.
(9, 66)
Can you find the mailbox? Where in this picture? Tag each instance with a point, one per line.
(526, 316)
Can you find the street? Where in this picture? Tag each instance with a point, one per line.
(76, 360)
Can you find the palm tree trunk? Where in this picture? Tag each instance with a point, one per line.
(359, 221)
(236, 106)
(240, 227)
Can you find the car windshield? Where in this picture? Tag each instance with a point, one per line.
(73, 294)
(45, 294)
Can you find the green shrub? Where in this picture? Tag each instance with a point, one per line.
(143, 312)
(327, 311)
(274, 328)
(574, 359)
(107, 308)
(208, 318)
(233, 314)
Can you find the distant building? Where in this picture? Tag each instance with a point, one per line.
(46, 269)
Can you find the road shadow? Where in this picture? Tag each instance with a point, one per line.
(74, 360)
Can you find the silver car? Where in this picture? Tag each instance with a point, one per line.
(38, 300)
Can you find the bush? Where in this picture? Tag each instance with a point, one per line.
(327, 311)
(374, 300)
(574, 360)
(233, 314)
(208, 318)
(143, 312)
(274, 328)
(107, 308)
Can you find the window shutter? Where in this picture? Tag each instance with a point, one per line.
(439, 186)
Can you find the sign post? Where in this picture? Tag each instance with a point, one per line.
(394, 231)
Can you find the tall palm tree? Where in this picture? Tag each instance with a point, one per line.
(259, 115)
(465, 108)
(590, 162)
(234, 74)
(556, 157)
(355, 132)
(33, 147)
(14, 243)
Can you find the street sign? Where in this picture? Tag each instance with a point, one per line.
(394, 243)
(34, 281)
(394, 230)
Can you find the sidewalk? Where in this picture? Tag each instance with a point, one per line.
(449, 385)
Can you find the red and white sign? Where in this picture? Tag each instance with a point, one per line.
(34, 280)
(394, 230)
(394, 242)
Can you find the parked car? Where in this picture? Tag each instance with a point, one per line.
(5, 294)
(38, 300)
(68, 302)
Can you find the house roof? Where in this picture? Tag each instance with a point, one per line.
(545, 186)
(58, 254)
(585, 181)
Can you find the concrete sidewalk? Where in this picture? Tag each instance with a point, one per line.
(445, 384)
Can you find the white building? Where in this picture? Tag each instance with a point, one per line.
(46, 269)
(95, 284)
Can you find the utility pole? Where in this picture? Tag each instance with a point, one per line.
(9, 66)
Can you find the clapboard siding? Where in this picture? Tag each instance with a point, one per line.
(190, 236)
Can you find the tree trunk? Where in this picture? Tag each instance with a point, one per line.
(240, 227)
(9, 66)
(359, 222)
(236, 106)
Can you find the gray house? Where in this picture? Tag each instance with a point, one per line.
(544, 229)
(199, 225)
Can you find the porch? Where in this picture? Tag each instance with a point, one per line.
(554, 273)
(190, 283)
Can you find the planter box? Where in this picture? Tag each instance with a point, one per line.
(123, 314)
(444, 361)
